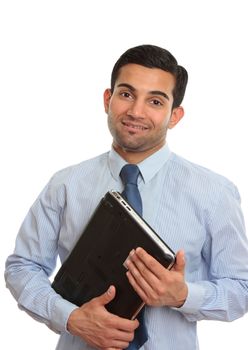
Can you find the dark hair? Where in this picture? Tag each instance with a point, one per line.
(151, 56)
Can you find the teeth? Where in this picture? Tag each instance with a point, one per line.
(136, 127)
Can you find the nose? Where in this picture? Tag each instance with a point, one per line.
(136, 109)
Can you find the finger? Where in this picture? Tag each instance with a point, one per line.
(147, 265)
(142, 280)
(106, 297)
(112, 348)
(118, 339)
(180, 262)
(140, 272)
(141, 291)
(119, 344)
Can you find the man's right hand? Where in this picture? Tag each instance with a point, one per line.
(98, 327)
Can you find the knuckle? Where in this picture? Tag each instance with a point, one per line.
(160, 290)
(143, 270)
(104, 342)
(152, 264)
(131, 337)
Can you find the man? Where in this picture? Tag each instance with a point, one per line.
(196, 211)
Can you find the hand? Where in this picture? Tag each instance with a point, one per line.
(156, 285)
(98, 327)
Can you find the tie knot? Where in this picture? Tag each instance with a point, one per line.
(129, 174)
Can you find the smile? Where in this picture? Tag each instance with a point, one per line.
(135, 126)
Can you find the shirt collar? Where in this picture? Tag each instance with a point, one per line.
(148, 167)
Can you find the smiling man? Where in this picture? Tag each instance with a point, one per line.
(196, 211)
(140, 110)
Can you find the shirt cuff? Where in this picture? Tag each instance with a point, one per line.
(61, 312)
(194, 299)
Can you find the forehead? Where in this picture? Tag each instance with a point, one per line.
(149, 79)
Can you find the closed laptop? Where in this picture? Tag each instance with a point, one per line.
(98, 258)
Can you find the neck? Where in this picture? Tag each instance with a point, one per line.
(135, 157)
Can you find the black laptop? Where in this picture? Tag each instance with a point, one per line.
(98, 258)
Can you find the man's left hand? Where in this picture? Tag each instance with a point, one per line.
(156, 285)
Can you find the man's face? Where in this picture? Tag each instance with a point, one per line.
(140, 109)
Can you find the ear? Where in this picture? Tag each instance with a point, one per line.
(106, 98)
(176, 116)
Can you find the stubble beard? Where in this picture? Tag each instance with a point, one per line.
(133, 143)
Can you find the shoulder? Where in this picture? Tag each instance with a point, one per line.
(85, 168)
(76, 179)
(201, 178)
(73, 181)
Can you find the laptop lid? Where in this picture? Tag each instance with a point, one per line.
(98, 258)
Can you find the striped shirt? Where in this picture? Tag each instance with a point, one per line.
(190, 207)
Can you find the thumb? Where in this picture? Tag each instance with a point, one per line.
(106, 297)
(180, 262)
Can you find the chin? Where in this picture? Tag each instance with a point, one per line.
(130, 147)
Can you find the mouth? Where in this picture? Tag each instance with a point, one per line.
(134, 127)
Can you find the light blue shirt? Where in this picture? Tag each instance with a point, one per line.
(190, 207)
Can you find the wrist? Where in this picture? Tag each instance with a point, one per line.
(182, 296)
(71, 321)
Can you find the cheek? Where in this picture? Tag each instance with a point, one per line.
(161, 121)
(117, 109)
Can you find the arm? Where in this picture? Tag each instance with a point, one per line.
(27, 276)
(222, 294)
(34, 259)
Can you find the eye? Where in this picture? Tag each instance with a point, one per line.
(156, 102)
(125, 94)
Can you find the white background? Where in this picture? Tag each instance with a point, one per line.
(55, 62)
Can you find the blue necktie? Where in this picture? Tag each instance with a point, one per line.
(129, 175)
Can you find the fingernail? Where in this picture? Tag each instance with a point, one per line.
(109, 291)
(126, 263)
(132, 252)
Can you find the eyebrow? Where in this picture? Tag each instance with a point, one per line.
(153, 92)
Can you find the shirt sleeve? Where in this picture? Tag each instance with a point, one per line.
(28, 269)
(224, 294)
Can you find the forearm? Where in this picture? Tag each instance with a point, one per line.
(224, 300)
(34, 259)
(31, 288)
(218, 288)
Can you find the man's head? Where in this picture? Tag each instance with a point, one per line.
(151, 56)
(147, 88)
